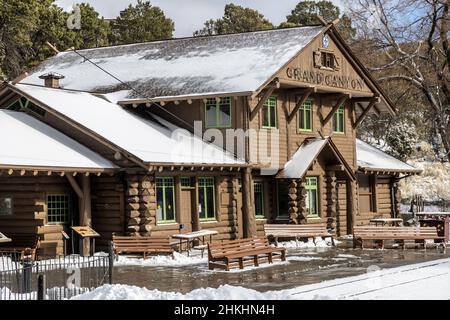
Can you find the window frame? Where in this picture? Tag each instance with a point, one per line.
(164, 213)
(326, 56)
(218, 103)
(312, 188)
(11, 209)
(267, 106)
(207, 185)
(340, 113)
(303, 110)
(260, 185)
(69, 208)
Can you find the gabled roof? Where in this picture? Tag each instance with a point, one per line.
(150, 141)
(28, 143)
(303, 158)
(234, 63)
(372, 159)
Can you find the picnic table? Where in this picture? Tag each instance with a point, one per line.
(4, 238)
(440, 220)
(189, 238)
(387, 221)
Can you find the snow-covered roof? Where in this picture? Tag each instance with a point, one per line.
(191, 66)
(373, 159)
(303, 158)
(27, 142)
(151, 141)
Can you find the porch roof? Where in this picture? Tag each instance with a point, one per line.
(371, 159)
(30, 144)
(303, 158)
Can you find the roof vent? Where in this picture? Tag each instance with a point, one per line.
(51, 79)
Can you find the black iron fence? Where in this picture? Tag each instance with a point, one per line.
(52, 279)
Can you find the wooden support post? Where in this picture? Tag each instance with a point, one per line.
(351, 214)
(293, 203)
(331, 200)
(248, 212)
(299, 103)
(195, 219)
(85, 210)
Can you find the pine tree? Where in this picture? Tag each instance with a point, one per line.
(140, 23)
(235, 19)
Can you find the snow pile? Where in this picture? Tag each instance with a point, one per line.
(319, 243)
(178, 260)
(433, 184)
(425, 281)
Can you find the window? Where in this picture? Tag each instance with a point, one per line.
(5, 206)
(269, 112)
(218, 113)
(207, 200)
(305, 116)
(365, 192)
(312, 197)
(186, 182)
(58, 208)
(24, 104)
(327, 60)
(282, 198)
(259, 200)
(165, 200)
(339, 120)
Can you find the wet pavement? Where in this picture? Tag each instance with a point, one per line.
(304, 266)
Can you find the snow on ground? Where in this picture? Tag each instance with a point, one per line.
(178, 260)
(425, 281)
(319, 243)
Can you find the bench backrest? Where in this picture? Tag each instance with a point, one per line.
(21, 241)
(140, 242)
(395, 231)
(295, 229)
(235, 246)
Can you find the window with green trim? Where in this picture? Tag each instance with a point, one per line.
(5, 206)
(305, 116)
(186, 182)
(207, 198)
(269, 112)
(218, 113)
(259, 200)
(312, 197)
(165, 200)
(58, 208)
(339, 120)
(23, 104)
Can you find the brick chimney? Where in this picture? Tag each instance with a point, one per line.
(51, 79)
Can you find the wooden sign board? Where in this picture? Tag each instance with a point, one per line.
(85, 232)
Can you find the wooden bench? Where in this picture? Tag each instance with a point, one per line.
(21, 243)
(243, 252)
(400, 234)
(144, 245)
(297, 231)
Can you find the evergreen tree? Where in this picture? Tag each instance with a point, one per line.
(140, 23)
(235, 19)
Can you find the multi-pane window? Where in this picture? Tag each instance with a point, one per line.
(218, 113)
(58, 208)
(165, 200)
(339, 120)
(259, 199)
(5, 206)
(327, 60)
(312, 197)
(269, 112)
(186, 182)
(305, 116)
(206, 198)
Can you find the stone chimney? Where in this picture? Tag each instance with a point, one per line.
(51, 79)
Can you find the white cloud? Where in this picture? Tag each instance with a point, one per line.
(189, 15)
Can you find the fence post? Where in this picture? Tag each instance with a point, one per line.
(26, 275)
(41, 289)
(111, 262)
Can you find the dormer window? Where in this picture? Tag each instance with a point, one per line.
(328, 60)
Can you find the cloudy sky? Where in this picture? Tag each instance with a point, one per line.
(189, 15)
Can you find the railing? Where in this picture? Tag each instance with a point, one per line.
(53, 279)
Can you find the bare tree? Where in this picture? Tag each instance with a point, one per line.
(410, 39)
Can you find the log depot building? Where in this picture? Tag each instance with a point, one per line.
(104, 137)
